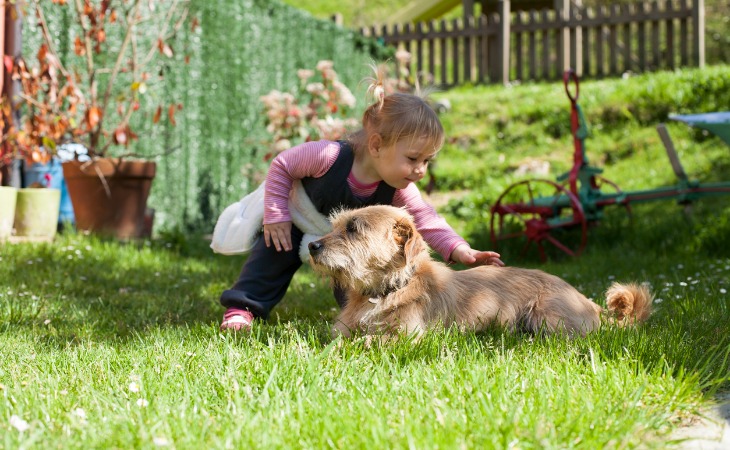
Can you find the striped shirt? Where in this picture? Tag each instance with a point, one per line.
(314, 159)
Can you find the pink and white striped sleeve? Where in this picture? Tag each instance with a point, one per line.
(434, 228)
(311, 159)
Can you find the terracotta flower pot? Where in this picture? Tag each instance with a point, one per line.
(8, 196)
(109, 195)
(36, 214)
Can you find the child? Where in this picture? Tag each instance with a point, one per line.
(379, 164)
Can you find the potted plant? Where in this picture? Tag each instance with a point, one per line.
(120, 49)
(31, 213)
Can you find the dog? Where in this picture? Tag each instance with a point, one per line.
(393, 286)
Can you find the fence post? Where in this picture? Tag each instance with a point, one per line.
(504, 41)
(562, 7)
(698, 25)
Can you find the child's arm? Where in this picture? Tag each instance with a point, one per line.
(437, 232)
(311, 159)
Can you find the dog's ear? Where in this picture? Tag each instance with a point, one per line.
(408, 237)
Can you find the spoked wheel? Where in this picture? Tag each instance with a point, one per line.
(604, 185)
(540, 214)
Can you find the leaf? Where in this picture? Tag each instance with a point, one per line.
(93, 116)
(49, 144)
(164, 48)
(79, 48)
(42, 53)
(158, 113)
(171, 115)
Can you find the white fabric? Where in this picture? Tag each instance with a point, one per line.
(239, 224)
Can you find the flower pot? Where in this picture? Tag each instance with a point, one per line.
(109, 195)
(36, 173)
(8, 196)
(36, 214)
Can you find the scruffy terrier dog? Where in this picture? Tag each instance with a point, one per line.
(393, 286)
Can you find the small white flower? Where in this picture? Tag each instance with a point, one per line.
(311, 285)
(18, 423)
(133, 386)
(682, 283)
(142, 403)
(723, 291)
(161, 442)
(47, 322)
(658, 300)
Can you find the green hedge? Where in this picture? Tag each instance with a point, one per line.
(241, 50)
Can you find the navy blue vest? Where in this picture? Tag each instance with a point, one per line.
(331, 191)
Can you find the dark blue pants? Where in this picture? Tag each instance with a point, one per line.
(265, 277)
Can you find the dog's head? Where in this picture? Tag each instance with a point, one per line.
(372, 250)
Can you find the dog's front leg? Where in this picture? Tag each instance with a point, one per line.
(341, 329)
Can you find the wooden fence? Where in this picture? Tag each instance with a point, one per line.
(540, 45)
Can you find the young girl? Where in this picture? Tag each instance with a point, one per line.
(379, 164)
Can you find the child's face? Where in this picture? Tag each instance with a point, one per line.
(405, 161)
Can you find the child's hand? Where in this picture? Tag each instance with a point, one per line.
(279, 234)
(470, 257)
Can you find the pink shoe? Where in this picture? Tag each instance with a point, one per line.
(237, 319)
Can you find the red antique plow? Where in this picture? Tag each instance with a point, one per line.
(539, 212)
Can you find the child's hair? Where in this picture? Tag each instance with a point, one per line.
(398, 116)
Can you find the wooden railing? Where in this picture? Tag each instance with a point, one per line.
(540, 45)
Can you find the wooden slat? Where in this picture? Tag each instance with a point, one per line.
(419, 50)
(518, 49)
(641, 36)
(669, 37)
(532, 56)
(444, 54)
(698, 32)
(467, 42)
(455, 53)
(600, 44)
(684, 36)
(431, 52)
(545, 45)
(613, 42)
(483, 50)
(655, 49)
(588, 34)
(504, 41)
(626, 10)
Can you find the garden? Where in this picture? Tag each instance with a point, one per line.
(111, 342)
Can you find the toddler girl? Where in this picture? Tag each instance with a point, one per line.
(379, 164)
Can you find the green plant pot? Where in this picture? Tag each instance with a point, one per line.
(36, 214)
(8, 196)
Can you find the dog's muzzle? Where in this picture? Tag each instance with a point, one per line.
(315, 248)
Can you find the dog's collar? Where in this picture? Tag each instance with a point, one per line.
(389, 289)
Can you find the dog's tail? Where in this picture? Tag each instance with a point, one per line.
(628, 303)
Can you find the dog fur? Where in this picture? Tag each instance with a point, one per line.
(393, 286)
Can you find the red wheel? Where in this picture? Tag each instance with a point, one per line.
(539, 212)
(604, 185)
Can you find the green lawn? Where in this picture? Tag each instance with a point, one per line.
(111, 345)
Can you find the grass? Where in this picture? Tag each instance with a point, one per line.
(113, 345)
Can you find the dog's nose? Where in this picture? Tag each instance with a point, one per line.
(315, 247)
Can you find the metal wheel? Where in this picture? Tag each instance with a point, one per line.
(539, 212)
(604, 185)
